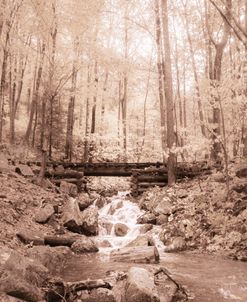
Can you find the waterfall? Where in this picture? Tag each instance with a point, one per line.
(119, 210)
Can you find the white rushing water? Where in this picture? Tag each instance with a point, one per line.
(118, 210)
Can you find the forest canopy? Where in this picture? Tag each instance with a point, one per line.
(120, 80)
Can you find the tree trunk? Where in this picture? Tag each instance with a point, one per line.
(169, 96)
(198, 94)
(71, 109)
(215, 79)
(35, 95)
(160, 74)
(86, 147)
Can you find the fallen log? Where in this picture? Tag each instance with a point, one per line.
(64, 174)
(60, 240)
(140, 254)
(28, 237)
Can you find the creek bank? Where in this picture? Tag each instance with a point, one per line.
(196, 215)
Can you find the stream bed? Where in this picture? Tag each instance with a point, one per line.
(207, 278)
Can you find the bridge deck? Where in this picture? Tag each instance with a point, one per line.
(127, 169)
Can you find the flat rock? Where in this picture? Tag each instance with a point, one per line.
(43, 214)
(137, 254)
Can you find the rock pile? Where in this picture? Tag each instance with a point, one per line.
(198, 215)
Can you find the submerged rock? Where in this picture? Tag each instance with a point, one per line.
(121, 229)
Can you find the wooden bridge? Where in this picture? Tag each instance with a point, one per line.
(143, 175)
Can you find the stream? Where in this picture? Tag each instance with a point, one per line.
(207, 278)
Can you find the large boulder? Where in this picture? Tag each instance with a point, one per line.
(149, 218)
(89, 218)
(21, 276)
(72, 218)
(84, 245)
(120, 229)
(43, 214)
(140, 286)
